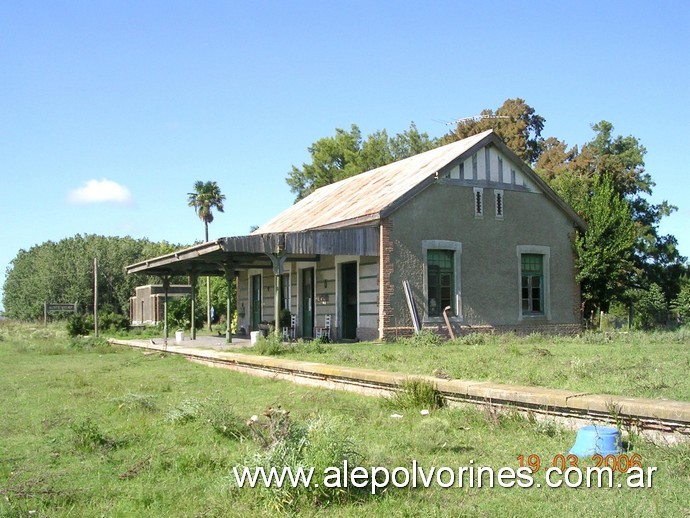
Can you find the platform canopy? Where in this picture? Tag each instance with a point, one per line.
(259, 250)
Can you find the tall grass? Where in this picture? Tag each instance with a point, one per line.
(87, 434)
(642, 364)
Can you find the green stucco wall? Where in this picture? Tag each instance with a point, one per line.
(489, 271)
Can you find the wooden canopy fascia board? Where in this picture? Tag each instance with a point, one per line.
(361, 240)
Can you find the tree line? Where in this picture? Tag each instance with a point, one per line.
(623, 261)
(63, 271)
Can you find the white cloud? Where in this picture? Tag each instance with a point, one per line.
(101, 191)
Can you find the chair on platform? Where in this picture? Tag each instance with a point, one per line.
(324, 333)
(289, 332)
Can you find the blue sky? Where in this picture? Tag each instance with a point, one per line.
(111, 110)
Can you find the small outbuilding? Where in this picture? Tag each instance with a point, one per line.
(147, 306)
(466, 228)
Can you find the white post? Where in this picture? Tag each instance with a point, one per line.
(208, 302)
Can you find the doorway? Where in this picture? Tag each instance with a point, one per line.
(307, 304)
(348, 300)
(255, 303)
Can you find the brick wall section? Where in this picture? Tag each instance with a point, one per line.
(386, 288)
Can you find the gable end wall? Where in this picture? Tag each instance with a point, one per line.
(489, 271)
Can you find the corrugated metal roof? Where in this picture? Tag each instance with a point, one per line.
(362, 198)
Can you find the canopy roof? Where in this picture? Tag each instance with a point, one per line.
(256, 251)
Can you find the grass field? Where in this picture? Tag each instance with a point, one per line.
(654, 365)
(91, 430)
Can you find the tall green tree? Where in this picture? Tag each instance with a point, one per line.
(346, 154)
(205, 198)
(605, 248)
(515, 121)
(573, 173)
(651, 307)
(680, 306)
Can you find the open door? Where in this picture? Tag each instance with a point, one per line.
(307, 303)
(256, 303)
(348, 300)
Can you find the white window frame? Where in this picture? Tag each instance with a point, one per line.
(499, 193)
(545, 252)
(478, 194)
(456, 247)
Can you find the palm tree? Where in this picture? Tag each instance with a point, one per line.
(204, 199)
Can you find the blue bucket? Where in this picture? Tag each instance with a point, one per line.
(604, 440)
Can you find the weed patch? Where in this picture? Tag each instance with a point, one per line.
(415, 394)
(187, 410)
(320, 443)
(222, 418)
(271, 345)
(473, 339)
(311, 347)
(628, 364)
(91, 343)
(136, 402)
(89, 436)
(422, 339)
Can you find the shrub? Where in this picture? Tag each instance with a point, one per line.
(681, 304)
(650, 308)
(113, 321)
(77, 326)
(179, 313)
